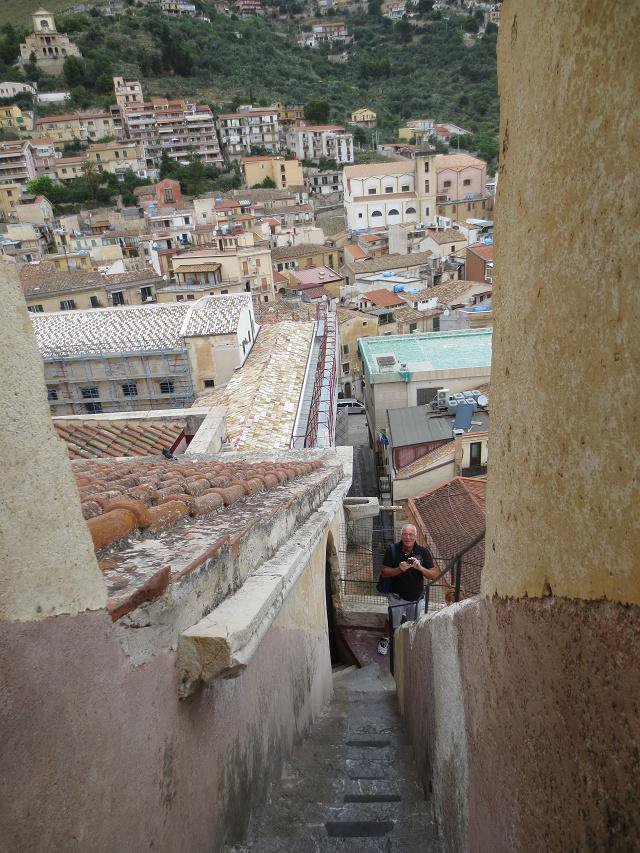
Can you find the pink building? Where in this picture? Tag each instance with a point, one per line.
(460, 176)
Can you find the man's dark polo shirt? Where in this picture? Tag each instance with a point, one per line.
(410, 584)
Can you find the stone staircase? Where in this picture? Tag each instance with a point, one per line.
(351, 785)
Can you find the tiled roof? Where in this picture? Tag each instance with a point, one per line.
(448, 235)
(88, 439)
(423, 463)
(411, 315)
(136, 327)
(355, 251)
(45, 278)
(262, 397)
(384, 298)
(280, 253)
(457, 161)
(454, 292)
(316, 276)
(450, 516)
(482, 250)
(153, 521)
(390, 262)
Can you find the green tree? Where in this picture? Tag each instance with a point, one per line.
(317, 111)
(267, 184)
(92, 178)
(404, 29)
(74, 71)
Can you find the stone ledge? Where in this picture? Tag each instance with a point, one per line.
(222, 643)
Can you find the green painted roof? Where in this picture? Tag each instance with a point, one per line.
(454, 350)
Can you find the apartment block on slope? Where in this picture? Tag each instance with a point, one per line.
(313, 141)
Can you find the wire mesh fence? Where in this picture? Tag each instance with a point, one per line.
(362, 547)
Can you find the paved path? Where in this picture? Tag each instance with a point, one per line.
(351, 785)
(364, 464)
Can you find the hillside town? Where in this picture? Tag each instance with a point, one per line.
(251, 385)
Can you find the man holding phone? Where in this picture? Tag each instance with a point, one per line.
(407, 564)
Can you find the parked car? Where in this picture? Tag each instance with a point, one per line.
(353, 406)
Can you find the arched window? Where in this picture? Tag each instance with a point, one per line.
(410, 210)
(44, 24)
(394, 212)
(376, 213)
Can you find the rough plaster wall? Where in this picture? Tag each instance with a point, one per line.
(563, 489)
(524, 719)
(111, 759)
(431, 696)
(47, 562)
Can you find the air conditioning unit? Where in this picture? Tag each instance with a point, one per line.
(443, 398)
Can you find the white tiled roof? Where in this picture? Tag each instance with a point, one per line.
(136, 327)
(262, 396)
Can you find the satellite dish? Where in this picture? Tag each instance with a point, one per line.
(482, 400)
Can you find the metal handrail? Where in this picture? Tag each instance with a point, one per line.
(454, 563)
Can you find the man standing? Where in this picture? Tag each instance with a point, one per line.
(407, 564)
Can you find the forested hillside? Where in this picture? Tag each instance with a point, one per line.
(402, 70)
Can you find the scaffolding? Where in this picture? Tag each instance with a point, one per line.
(134, 380)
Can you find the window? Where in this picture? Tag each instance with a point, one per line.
(359, 216)
(436, 324)
(179, 298)
(95, 302)
(52, 394)
(209, 383)
(453, 248)
(426, 165)
(466, 182)
(388, 189)
(371, 191)
(146, 293)
(93, 408)
(394, 212)
(36, 309)
(223, 292)
(410, 210)
(89, 392)
(67, 305)
(376, 213)
(405, 188)
(117, 297)
(168, 194)
(412, 327)
(447, 183)
(167, 386)
(130, 389)
(345, 367)
(426, 186)
(190, 297)
(345, 349)
(424, 396)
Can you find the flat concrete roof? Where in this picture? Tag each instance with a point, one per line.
(429, 351)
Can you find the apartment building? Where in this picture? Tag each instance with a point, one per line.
(85, 126)
(49, 47)
(180, 129)
(13, 118)
(144, 356)
(313, 141)
(47, 288)
(323, 182)
(44, 152)
(288, 113)
(118, 158)
(283, 173)
(9, 198)
(247, 127)
(231, 264)
(128, 92)
(17, 163)
(9, 89)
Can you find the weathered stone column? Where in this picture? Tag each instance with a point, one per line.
(47, 562)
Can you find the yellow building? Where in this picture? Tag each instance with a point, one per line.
(288, 113)
(283, 173)
(118, 157)
(412, 134)
(68, 168)
(9, 197)
(87, 127)
(364, 117)
(231, 265)
(13, 118)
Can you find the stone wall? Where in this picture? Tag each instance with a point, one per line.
(522, 703)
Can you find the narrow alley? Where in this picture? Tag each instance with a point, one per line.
(351, 784)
